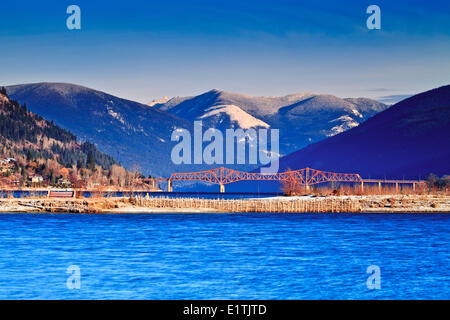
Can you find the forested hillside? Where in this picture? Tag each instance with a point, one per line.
(36, 151)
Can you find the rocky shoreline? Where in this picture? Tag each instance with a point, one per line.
(300, 204)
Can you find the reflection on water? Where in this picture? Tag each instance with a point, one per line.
(224, 256)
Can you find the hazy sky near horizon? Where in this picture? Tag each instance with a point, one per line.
(144, 50)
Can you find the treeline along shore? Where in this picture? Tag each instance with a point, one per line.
(302, 204)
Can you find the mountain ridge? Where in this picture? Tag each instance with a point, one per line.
(302, 118)
(136, 133)
(408, 140)
(131, 132)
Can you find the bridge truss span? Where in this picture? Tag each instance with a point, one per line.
(303, 177)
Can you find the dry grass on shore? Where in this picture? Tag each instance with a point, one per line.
(368, 190)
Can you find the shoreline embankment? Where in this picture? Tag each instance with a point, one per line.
(298, 204)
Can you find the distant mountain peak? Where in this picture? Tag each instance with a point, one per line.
(230, 95)
(59, 87)
(158, 101)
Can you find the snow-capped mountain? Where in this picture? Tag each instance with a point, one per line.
(302, 118)
(158, 101)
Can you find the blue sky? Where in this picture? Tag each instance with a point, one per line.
(143, 50)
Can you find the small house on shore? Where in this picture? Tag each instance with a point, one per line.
(36, 179)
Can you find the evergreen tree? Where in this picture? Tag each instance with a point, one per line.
(52, 178)
(90, 161)
(29, 155)
(23, 172)
(79, 164)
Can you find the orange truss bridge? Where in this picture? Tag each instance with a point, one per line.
(304, 177)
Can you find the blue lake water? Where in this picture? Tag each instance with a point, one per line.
(225, 256)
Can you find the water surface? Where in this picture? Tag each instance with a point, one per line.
(224, 256)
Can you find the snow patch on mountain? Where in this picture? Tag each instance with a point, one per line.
(115, 115)
(158, 101)
(236, 115)
(357, 113)
(347, 122)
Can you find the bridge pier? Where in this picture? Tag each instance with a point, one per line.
(169, 186)
(222, 188)
(379, 186)
(362, 186)
(307, 187)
